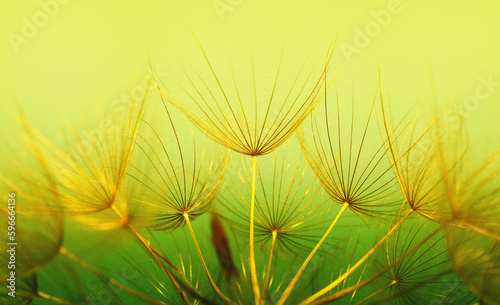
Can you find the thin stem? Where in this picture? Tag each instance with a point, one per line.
(341, 278)
(296, 278)
(268, 271)
(481, 231)
(251, 257)
(125, 222)
(155, 254)
(166, 260)
(145, 242)
(216, 289)
(110, 280)
(57, 300)
(346, 291)
(377, 292)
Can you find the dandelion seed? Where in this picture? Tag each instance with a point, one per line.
(227, 121)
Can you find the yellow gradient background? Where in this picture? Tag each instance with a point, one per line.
(88, 51)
